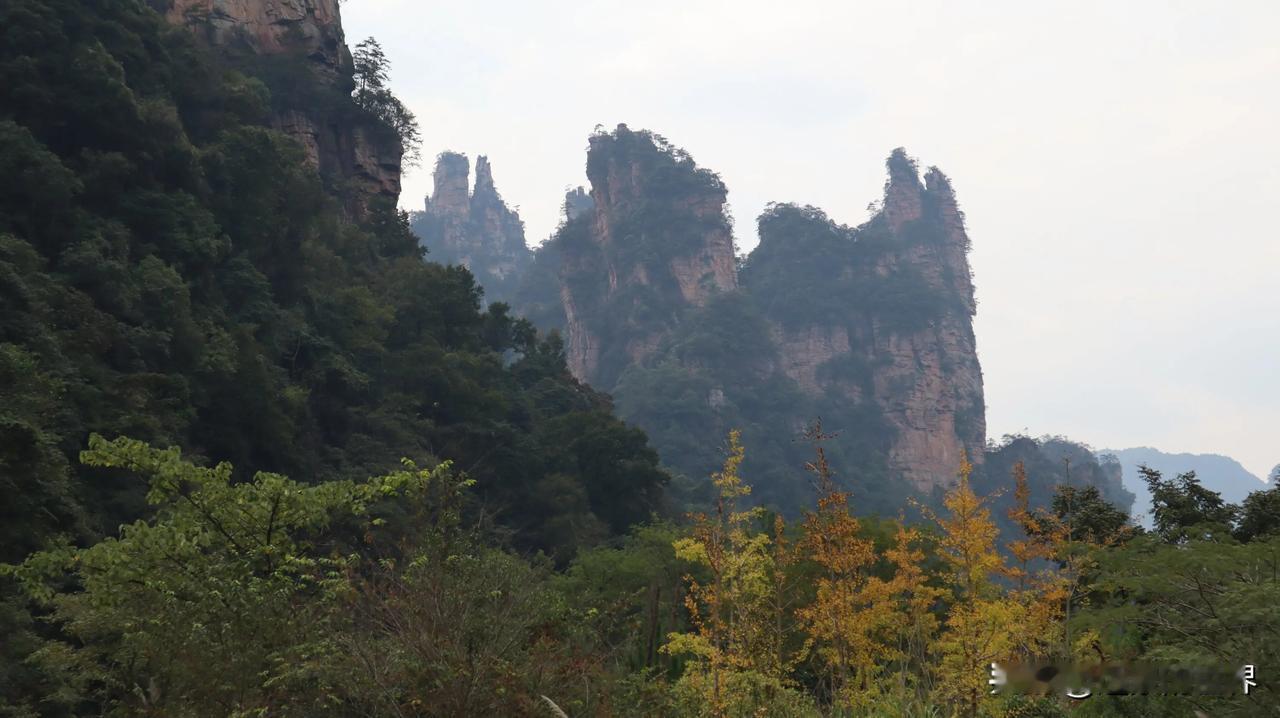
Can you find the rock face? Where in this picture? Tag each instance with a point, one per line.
(266, 27)
(868, 327)
(917, 364)
(474, 228)
(358, 159)
(929, 384)
(577, 203)
(653, 243)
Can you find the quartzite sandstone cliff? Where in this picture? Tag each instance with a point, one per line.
(921, 366)
(868, 327)
(474, 228)
(653, 242)
(357, 158)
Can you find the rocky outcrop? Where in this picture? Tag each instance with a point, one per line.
(312, 28)
(653, 243)
(474, 228)
(358, 159)
(902, 200)
(872, 325)
(576, 203)
(905, 339)
(927, 378)
(868, 327)
(929, 389)
(804, 351)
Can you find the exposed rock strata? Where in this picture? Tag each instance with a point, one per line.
(357, 159)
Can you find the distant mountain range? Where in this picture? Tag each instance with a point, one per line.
(1219, 473)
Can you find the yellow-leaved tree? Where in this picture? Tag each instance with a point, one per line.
(982, 624)
(736, 663)
(854, 620)
(1041, 592)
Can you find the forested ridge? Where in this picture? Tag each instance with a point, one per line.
(261, 457)
(171, 270)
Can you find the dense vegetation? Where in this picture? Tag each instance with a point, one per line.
(715, 374)
(801, 246)
(380, 597)
(171, 269)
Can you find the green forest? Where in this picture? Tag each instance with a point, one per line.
(260, 456)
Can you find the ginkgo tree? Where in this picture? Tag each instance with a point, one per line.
(735, 664)
(858, 621)
(983, 624)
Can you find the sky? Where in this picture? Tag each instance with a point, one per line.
(1118, 164)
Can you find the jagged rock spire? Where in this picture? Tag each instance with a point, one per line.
(451, 177)
(577, 203)
(484, 178)
(903, 193)
(649, 198)
(474, 228)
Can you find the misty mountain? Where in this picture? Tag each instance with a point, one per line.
(1216, 472)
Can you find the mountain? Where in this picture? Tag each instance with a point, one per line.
(868, 327)
(1215, 472)
(475, 229)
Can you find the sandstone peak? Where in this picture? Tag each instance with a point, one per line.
(473, 228)
(451, 178)
(484, 178)
(829, 320)
(903, 200)
(577, 203)
(942, 199)
(937, 183)
(660, 236)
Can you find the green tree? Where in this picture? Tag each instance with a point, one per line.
(735, 668)
(1181, 508)
(372, 70)
(1205, 602)
(220, 605)
(1259, 515)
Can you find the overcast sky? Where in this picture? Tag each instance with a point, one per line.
(1119, 164)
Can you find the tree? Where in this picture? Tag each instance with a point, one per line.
(371, 68)
(1259, 515)
(1204, 602)
(1182, 509)
(854, 619)
(735, 668)
(1066, 536)
(371, 71)
(220, 605)
(982, 625)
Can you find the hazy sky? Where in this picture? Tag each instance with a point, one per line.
(1119, 164)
